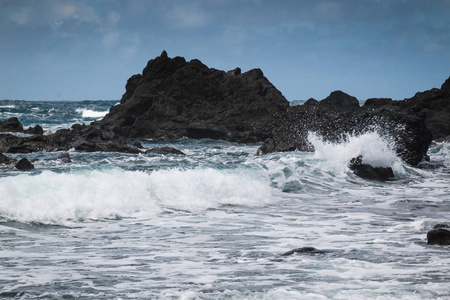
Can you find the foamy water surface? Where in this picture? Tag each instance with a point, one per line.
(213, 224)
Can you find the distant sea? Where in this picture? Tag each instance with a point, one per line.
(213, 224)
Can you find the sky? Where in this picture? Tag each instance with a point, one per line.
(87, 49)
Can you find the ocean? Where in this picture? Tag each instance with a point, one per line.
(213, 224)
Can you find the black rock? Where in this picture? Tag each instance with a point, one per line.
(407, 133)
(439, 235)
(340, 100)
(304, 250)
(11, 125)
(165, 150)
(35, 130)
(368, 172)
(174, 98)
(24, 165)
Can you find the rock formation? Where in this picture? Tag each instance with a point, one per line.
(406, 131)
(432, 105)
(174, 98)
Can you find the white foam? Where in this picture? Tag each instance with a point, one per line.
(57, 198)
(374, 149)
(87, 113)
(8, 106)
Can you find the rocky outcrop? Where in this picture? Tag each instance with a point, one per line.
(432, 105)
(439, 235)
(79, 137)
(11, 125)
(407, 132)
(174, 98)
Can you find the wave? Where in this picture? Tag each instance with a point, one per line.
(7, 106)
(87, 113)
(62, 198)
(374, 149)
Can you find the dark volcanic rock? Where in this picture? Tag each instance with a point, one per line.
(406, 132)
(340, 100)
(368, 172)
(24, 165)
(35, 130)
(304, 250)
(439, 235)
(175, 98)
(165, 150)
(432, 105)
(11, 125)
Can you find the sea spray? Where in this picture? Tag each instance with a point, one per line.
(375, 150)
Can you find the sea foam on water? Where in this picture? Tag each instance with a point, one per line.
(55, 198)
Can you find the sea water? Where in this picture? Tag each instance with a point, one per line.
(213, 224)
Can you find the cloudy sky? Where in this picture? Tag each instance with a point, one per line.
(87, 49)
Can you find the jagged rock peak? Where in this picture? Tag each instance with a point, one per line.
(446, 85)
(164, 54)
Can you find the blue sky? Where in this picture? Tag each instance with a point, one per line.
(87, 49)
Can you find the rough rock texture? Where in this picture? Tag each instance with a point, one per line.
(35, 130)
(24, 165)
(165, 150)
(407, 132)
(80, 137)
(439, 235)
(304, 250)
(432, 105)
(174, 98)
(11, 125)
(369, 172)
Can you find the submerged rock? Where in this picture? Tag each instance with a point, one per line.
(165, 150)
(368, 172)
(304, 250)
(24, 165)
(439, 235)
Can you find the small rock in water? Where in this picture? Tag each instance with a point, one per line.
(305, 250)
(165, 150)
(439, 235)
(368, 172)
(64, 158)
(24, 165)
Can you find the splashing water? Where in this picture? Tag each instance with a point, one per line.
(373, 148)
